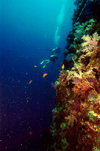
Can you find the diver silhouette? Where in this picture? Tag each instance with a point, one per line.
(52, 58)
(54, 51)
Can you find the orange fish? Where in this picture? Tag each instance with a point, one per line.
(44, 75)
(62, 67)
(30, 81)
(30, 133)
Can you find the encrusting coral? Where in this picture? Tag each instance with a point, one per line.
(76, 125)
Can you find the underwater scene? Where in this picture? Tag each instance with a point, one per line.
(50, 75)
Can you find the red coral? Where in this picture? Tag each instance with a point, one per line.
(97, 88)
(76, 106)
(81, 87)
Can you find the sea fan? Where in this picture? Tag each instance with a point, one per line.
(71, 118)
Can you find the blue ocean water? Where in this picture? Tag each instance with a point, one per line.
(27, 30)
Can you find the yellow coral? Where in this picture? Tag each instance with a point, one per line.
(91, 42)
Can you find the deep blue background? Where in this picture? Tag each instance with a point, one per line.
(27, 28)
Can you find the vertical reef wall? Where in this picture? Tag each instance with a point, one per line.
(76, 118)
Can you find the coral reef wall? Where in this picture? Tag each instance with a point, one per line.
(76, 118)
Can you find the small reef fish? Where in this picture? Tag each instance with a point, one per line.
(62, 67)
(35, 66)
(48, 86)
(30, 81)
(30, 133)
(44, 75)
